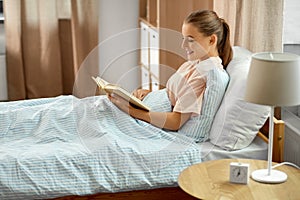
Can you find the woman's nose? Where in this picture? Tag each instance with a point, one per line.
(184, 44)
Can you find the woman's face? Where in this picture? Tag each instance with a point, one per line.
(196, 45)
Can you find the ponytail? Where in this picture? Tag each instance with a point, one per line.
(224, 46)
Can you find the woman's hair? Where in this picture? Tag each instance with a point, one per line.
(208, 23)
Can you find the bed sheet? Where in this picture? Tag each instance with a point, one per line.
(63, 146)
(258, 149)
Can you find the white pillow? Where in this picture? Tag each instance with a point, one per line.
(198, 127)
(237, 121)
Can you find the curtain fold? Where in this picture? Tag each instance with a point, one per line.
(256, 25)
(14, 55)
(42, 48)
(85, 19)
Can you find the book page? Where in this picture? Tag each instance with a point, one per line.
(115, 89)
(100, 82)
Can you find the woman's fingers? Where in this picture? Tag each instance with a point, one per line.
(121, 103)
(140, 93)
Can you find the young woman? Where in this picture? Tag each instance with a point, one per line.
(207, 45)
(206, 41)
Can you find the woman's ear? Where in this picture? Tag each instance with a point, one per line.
(213, 39)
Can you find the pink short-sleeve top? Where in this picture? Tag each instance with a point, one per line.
(186, 87)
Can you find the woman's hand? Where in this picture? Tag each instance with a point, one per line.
(140, 93)
(121, 103)
(168, 120)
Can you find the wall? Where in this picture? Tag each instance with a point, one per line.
(291, 36)
(292, 134)
(119, 42)
(291, 22)
(3, 81)
(291, 115)
(291, 29)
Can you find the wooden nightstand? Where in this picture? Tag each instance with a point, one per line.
(210, 180)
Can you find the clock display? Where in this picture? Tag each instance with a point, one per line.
(239, 173)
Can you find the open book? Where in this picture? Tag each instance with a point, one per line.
(115, 89)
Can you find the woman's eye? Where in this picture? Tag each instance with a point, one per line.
(188, 40)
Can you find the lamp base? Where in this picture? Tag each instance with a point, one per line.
(262, 176)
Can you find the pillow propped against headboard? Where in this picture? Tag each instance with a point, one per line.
(198, 127)
(237, 122)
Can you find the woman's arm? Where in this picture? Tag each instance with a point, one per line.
(167, 120)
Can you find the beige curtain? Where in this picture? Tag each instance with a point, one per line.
(255, 24)
(85, 39)
(46, 41)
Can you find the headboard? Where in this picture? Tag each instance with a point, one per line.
(278, 138)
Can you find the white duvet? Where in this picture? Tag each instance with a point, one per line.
(68, 146)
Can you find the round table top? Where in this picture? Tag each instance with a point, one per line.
(210, 180)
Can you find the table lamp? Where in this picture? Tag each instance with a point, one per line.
(274, 80)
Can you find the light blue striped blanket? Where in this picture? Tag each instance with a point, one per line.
(62, 146)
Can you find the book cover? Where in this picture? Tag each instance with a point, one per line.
(115, 89)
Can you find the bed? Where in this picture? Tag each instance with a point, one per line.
(41, 163)
(257, 150)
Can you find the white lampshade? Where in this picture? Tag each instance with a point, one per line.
(274, 79)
